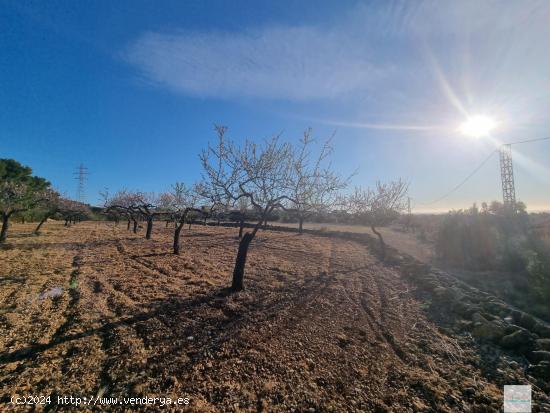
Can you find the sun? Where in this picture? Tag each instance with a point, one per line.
(478, 126)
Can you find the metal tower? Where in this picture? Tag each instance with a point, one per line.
(80, 176)
(507, 175)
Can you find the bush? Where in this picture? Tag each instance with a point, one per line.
(511, 249)
(491, 239)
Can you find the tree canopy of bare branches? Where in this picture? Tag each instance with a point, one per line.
(268, 176)
(72, 211)
(315, 186)
(378, 206)
(179, 202)
(260, 173)
(135, 205)
(147, 204)
(122, 203)
(49, 208)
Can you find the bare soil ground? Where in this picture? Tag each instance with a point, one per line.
(512, 287)
(321, 326)
(406, 242)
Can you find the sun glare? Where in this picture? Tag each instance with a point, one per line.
(478, 126)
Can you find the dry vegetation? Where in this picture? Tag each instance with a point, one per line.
(321, 326)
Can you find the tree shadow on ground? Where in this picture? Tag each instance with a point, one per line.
(155, 254)
(212, 319)
(22, 235)
(13, 279)
(38, 246)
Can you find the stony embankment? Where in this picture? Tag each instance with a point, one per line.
(489, 319)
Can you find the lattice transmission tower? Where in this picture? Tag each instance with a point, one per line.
(81, 176)
(507, 175)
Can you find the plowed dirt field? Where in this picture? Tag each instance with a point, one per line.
(94, 310)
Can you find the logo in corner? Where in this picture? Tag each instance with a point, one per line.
(517, 399)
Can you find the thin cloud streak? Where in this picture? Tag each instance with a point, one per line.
(382, 126)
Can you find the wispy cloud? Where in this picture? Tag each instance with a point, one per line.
(382, 126)
(472, 54)
(296, 63)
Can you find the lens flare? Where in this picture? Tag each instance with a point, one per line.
(478, 126)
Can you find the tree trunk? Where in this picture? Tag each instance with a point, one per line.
(204, 222)
(241, 227)
(177, 232)
(240, 262)
(22, 219)
(36, 231)
(382, 243)
(66, 222)
(265, 223)
(135, 226)
(218, 222)
(301, 226)
(128, 225)
(190, 222)
(166, 226)
(149, 228)
(5, 226)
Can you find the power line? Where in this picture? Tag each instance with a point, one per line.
(462, 182)
(479, 167)
(528, 141)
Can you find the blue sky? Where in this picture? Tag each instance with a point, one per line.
(132, 89)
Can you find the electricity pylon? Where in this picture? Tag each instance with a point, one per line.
(507, 176)
(80, 176)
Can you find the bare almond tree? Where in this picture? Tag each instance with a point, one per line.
(315, 186)
(72, 211)
(49, 208)
(216, 203)
(17, 197)
(179, 203)
(242, 205)
(379, 206)
(136, 205)
(122, 202)
(260, 173)
(147, 205)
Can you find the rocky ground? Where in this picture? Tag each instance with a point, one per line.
(96, 311)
